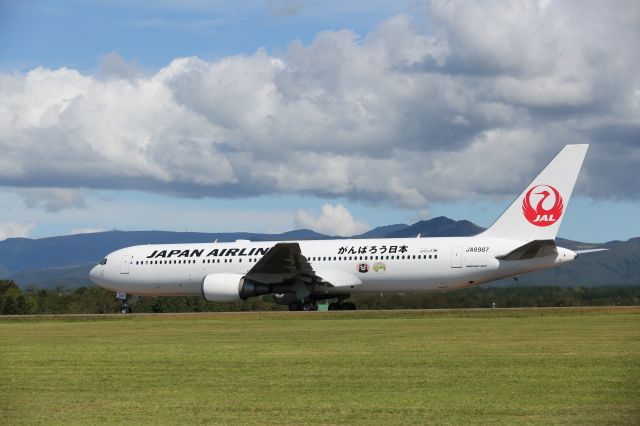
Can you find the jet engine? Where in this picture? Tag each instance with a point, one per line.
(231, 287)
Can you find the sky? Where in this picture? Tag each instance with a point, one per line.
(267, 116)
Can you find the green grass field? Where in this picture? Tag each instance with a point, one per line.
(538, 366)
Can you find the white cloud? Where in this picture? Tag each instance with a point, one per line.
(114, 65)
(52, 200)
(398, 116)
(332, 220)
(13, 230)
(285, 7)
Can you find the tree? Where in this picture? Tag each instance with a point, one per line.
(10, 306)
(21, 306)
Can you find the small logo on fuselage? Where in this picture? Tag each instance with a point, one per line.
(363, 268)
(379, 267)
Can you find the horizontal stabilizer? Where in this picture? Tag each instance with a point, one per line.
(536, 248)
(590, 251)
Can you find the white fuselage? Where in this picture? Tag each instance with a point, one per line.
(352, 266)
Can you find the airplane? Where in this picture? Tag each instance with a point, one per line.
(301, 273)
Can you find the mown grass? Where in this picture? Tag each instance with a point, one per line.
(538, 366)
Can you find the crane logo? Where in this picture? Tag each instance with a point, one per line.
(542, 205)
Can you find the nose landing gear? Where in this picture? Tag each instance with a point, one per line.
(124, 303)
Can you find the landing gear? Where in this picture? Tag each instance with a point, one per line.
(309, 303)
(303, 306)
(348, 306)
(124, 303)
(309, 306)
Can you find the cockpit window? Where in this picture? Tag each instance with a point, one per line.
(104, 261)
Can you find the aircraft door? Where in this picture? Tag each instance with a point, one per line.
(124, 264)
(456, 257)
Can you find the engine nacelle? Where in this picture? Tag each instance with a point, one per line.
(231, 288)
(221, 287)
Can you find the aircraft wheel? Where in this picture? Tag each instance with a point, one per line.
(295, 306)
(335, 306)
(309, 306)
(348, 306)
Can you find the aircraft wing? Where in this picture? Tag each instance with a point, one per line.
(285, 264)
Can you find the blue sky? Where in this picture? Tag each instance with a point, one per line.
(252, 116)
(75, 33)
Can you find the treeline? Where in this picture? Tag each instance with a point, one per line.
(96, 300)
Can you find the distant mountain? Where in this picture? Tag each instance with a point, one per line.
(382, 231)
(71, 277)
(437, 227)
(65, 261)
(299, 234)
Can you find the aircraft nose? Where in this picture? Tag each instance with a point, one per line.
(96, 274)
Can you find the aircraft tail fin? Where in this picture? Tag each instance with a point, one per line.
(537, 213)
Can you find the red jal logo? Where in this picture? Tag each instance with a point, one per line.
(538, 215)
